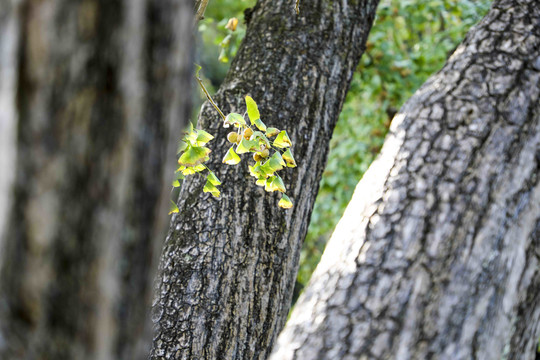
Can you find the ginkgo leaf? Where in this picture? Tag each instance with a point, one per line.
(211, 188)
(245, 146)
(288, 157)
(271, 131)
(266, 169)
(259, 124)
(235, 119)
(176, 182)
(282, 140)
(194, 155)
(261, 138)
(190, 170)
(274, 183)
(261, 181)
(255, 170)
(213, 179)
(277, 157)
(203, 137)
(268, 184)
(231, 158)
(278, 184)
(252, 110)
(285, 202)
(272, 165)
(181, 147)
(173, 208)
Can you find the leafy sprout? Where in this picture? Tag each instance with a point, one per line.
(246, 138)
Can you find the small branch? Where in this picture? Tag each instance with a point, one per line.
(209, 97)
(201, 8)
(297, 7)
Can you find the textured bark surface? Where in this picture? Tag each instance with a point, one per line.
(102, 89)
(437, 255)
(229, 264)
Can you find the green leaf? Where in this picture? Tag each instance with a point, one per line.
(282, 140)
(194, 155)
(278, 184)
(223, 56)
(209, 187)
(191, 135)
(288, 157)
(271, 131)
(278, 158)
(261, 181)
(173, 208)
(179, 176)
(181, 147)
(203, 137)
(231, 158)
(252, 110)
(268, 184)
(235, 119)
(213, 179)
(270, 166)
(190, 170)
(245, 146)
(275, 164)
(285, 202)
(255, 170)
(261, 138)
(259, 124)
(197, 69)
(274, 183)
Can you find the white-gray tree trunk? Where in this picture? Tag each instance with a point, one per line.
(437, 255)
(93, 97)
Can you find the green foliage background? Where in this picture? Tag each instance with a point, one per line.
(410, 41)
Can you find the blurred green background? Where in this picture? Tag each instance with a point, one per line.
(410, 40)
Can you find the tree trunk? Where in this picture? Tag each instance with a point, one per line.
(93, 100)
(229, 264)
(437, 255)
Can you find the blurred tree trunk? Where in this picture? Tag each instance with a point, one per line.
(229, 264)
(437, 255)
(93, 95)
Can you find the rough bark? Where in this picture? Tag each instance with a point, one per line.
(102, 90)
(229, 264)
(437, 255)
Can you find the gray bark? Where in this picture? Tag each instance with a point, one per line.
(229, 264)
(94, 94)
(437, 255)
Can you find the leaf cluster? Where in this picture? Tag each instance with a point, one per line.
(192, 155)
(253, 137)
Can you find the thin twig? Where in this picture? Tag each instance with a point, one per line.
(201, 8)
(209, 97)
